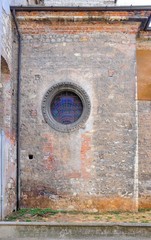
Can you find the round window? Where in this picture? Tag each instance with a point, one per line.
(66, 107)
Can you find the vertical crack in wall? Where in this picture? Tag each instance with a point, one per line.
(136, 150)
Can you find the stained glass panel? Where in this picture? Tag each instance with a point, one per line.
(66, 107)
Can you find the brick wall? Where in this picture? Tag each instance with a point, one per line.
(8, 146)
(91, 168)
(144, 116)
(144, 154)
(6, 120)
(95, 167)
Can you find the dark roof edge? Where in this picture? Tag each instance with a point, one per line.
(82, 9)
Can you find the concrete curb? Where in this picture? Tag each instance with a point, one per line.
(71, 230)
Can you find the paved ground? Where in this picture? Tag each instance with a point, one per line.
(100, 238)
(89, 231)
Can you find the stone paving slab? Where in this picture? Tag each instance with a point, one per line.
(37, 230)
(88, 238)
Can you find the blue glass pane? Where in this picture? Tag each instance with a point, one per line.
(66, 107)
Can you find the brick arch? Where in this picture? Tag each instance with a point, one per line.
(5, 94)
(9, 146)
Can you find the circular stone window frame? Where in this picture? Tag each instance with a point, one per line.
(48, 98)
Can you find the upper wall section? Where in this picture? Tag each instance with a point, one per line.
(6, 39)
(5, 32)
(63, 2)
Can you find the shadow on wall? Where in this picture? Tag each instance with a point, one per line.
(144, 74)
(4, 66)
